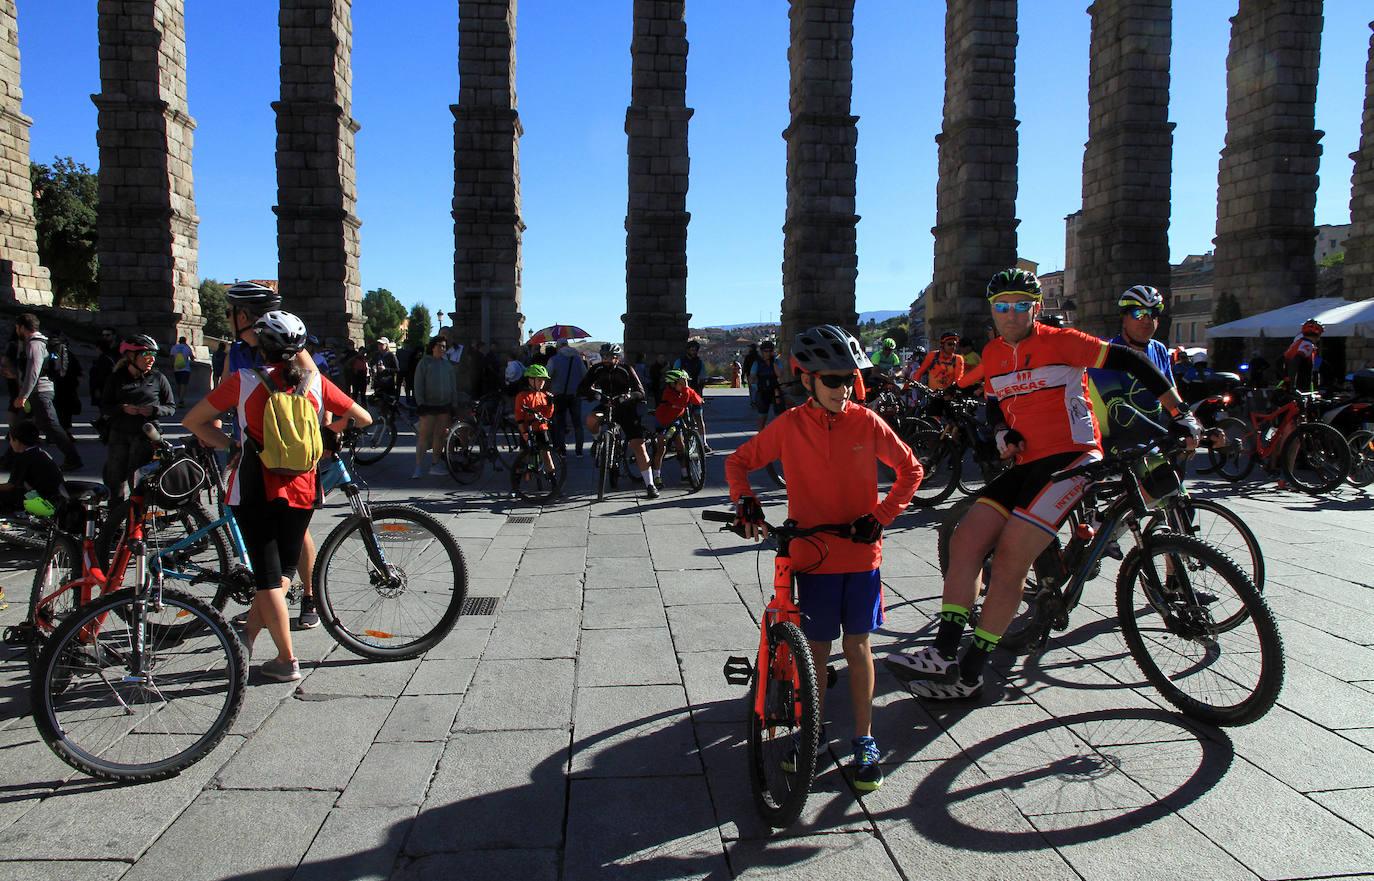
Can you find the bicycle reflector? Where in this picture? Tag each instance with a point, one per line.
(738, 670)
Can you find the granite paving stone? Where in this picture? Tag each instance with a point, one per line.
(468, 639)
(553, 561)
(360, 843)
(679, 547)
(813, 858)
(348, 674)
(642, 829)
(610, 547)
(623, 607)
(627, 657)
(556, 538)
(694, 587)
(1302, 755)
(420, 718)
(620, 573)
(294, 818)
(1099, 844)
(308, 744)
(633, 731)
(442, 676)
(393, 774)
(1355, 806)
(714, 627)
(495, 790)
(555, 592)
(483, 865)
(539, 633)
(63, 870)
(516, 695)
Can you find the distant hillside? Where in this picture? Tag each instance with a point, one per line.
(879, 315)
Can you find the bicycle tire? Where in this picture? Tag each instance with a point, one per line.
(1361, 458)
(209, 557)
(1024, 629)
(348, 614)
(375, 441)
(601, 453)
(1245, 537)
(64, 681)
(1236, 459)
(775, 473)
(693, 459)
(464, 453)
(936, 455)
(1187, 628)
(1323, 449)
(788, 676)
(62, 565)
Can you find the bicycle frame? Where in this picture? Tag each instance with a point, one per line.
(782, 608)
(1285, 418)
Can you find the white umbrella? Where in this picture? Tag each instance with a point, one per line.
(1340, 318)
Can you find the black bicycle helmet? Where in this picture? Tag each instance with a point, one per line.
(1017, 281)
(252, 296)
(828, 347)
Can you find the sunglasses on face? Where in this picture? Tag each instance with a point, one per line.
(949, 345)
(1141, 313)
(1020, 307)
(829, 381)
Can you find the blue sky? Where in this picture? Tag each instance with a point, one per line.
(573, 83)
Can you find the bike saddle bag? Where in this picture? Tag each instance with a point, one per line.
(176, 483)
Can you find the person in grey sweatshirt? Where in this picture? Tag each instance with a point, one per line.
(566, 370)
(35, 395)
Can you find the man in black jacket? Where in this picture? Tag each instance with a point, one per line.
(134, 394)
(620, 389)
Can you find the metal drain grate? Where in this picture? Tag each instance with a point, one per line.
(520, 518)
(479, 605)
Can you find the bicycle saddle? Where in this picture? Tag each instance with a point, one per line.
(86, 492)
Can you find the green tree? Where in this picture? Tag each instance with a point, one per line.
(382, 315)
(215, 307)
(1330, 260)
(419, 329)
(65, 196)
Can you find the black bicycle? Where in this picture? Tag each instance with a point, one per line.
(531, 478)
(959, 454)
(609, 449)
(1195, 623)
(684, 440)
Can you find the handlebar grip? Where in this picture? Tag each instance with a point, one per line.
(718, 516)
(150, 430)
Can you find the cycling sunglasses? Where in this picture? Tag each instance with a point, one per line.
(830, 381)
(1020, 306)
(1140, 313)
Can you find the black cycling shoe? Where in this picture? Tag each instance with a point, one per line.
(651, 492)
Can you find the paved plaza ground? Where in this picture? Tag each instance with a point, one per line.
(584, 730)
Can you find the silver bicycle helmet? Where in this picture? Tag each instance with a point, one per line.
(828, 347)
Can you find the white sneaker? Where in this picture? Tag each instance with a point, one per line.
(947, 691)
(927, 664)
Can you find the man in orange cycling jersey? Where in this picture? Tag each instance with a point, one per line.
(828, 448)
(944, 365)
(1038, 404)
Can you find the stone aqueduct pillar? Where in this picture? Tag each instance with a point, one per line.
(975, 215)
(1359, 247)
(1267, 195)
(656, 222)
(1123, 236)
(147, 216)
(317, 227)
(22, 278)
(486, 177)
(820, 260)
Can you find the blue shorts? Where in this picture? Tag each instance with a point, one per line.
(852, 600)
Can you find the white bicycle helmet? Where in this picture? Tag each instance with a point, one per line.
(280, 335)
(828, 347)
(1142, 296)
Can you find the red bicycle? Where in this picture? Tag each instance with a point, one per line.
(138, 682)
(785, 721)
(1311, 455)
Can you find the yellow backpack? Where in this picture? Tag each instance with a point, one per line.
(291, 443)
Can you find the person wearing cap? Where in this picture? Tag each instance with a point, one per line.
(436, 399)
(677, 397)
(136, 393)
(1034, 375)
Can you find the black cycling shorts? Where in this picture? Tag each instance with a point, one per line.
(763, 399)
(1029, 493)
(273, 534)
(627, 417)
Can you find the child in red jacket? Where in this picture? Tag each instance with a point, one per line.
(677, 396)
(534, 413)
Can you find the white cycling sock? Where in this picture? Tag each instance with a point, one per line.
(648, 474)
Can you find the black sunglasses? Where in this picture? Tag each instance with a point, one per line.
(1140, 313)
(830, 381)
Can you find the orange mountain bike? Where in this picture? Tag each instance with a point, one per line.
(785, 722)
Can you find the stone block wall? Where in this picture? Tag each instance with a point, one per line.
(147, 218)
(1359, 247)
(22, 278)
(820, 262)
(1267, 194)
(1123, 234)
(487, 227)
(318, 243)
(975, 213)
(656, 122)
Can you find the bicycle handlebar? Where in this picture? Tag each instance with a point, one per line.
(788, 529)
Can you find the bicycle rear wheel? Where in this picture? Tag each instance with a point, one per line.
(790, 729)
(105, 715)
(601, 452)
(62, 566)
(1024, 629)
(693, 459)
(940, 460)
(1361, 458)
(1316, 458)
(463, 453)
(1174, 596)
(400, 609)
(376, 440)
(1234, 459)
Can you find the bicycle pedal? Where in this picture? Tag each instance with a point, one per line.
(738, 670)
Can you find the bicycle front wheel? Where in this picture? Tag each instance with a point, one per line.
(116, 697)
(532, 481)
(782, 743)
(1217, 525)
(1174, 596)
(62, 566)
(391, 587)
(693, 459)
(1361, 458)
(1316, 458)
(197, 567)
(464, 454)
(601, 451)
(940, 459)
(375, 441)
